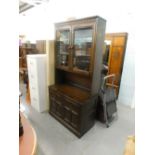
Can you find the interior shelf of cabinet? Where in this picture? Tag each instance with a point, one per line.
(83, 55)
(75, 70)
(65, 68)
(83, 72)
(74, 92)
(29, 48)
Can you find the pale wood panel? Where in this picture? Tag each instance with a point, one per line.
(116, 62)
(119, 41)
(116, 55)
(130, 146)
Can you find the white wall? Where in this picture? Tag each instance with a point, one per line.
(38, 24)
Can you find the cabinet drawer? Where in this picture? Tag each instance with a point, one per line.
(34, 102)
(33, 92)
(34, 98)
(33, 87)
(33, 76)
(75, 109)
(31, 63)
(72, 105)
(33, 83)
(32, 69)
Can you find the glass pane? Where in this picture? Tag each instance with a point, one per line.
(62, 43)
(82, 48)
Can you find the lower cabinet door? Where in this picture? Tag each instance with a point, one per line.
(59, 109)
(52, 105)
(75, 120)
(67, 114)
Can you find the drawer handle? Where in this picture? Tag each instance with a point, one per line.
(75, 113)
(58, 95)
(74, 125)
(67, 108)
(68, 100)
(58, 103)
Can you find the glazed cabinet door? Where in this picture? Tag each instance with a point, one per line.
(83, 47)
(62, 47)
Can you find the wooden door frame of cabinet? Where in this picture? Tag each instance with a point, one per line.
(62, 28)
(72, 27)
(86, 25)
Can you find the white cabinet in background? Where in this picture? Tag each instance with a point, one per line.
(37, 73)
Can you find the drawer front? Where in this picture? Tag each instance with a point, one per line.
(33, 91)
(32, 69)
(34, 98)
(33, 87)
(32, 77)
(33, 80)
(34, 102)
(31, 64)
(51, 90)
(53, 93)
(72, 105)
(33, 84)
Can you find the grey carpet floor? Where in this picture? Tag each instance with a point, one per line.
(54, 139)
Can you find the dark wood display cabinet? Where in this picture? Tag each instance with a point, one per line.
(78, 64)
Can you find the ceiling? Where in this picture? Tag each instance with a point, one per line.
(25, 5)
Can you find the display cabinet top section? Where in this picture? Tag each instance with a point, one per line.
(80, 20)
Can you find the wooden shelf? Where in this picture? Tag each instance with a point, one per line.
(27, 48)
(65, 68)
(75, 93)
(80, 71)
